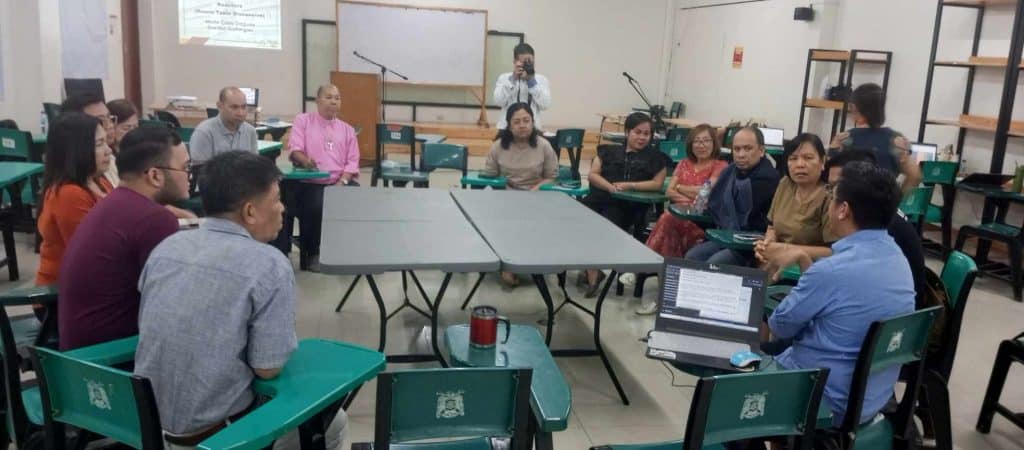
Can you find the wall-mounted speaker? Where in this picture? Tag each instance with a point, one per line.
(803, 14)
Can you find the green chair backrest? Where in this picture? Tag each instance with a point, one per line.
(889, 343)
(569, 138)
(729, 133)
(15, 144)
(958, 277)
(959, 269)
(395, 134)
(185, 133)
(757, 404)
(106, 401)
(444, 156)
(676, 150)
(212, 112)
(414, 405)
(52, 111)
(677, 134)
(939, 172)
(676, 110)
(153, 123)
(916, 204)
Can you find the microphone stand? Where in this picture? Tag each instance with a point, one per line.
(383, 85)
(657, 111)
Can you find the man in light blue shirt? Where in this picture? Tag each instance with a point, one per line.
(866, 279)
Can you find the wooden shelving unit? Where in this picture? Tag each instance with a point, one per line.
(823, 104)
(1002, 125)
(979, 61)
(980, 123)
(847, 60)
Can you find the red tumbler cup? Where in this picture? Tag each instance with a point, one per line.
(483, 327)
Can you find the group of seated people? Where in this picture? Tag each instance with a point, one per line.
(207, 325)
(110, 239)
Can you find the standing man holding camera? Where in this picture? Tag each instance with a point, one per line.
(522, 85)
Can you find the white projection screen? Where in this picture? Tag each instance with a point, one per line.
(230, 23)
(428, 45)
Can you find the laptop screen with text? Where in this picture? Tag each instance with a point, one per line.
(703, 298)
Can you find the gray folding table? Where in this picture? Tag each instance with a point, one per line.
(539, 233)
(370, 231)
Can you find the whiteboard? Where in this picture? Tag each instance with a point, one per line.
(431, 46)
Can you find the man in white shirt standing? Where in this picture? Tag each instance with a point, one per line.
(522, 85)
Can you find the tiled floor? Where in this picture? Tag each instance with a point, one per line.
(658, 409)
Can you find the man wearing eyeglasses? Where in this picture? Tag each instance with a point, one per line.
(99, 295)
(93, 105)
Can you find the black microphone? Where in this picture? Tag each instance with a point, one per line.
(627, 76)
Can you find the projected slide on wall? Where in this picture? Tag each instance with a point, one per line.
(230, 23)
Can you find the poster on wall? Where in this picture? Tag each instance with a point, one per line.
(83, 38)
(230, 23)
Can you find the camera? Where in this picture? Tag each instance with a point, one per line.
(528, 67)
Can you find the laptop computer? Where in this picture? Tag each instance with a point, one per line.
(707, 312)
(773, 137)
(924, 152)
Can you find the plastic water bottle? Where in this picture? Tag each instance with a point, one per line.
(44, 122)
(701, 203)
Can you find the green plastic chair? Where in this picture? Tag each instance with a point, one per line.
(958, 278)
(396, 172)
(102, 400)
(16, 145)
(471, 404)
(444, 156)
(748, 405)
(186, 134)
(570, 139)
(23, 411)
(915, 205)
(729, 133)
(943, 175)
(677, 134)
(894, 342)
(676, 110)
(675, 150)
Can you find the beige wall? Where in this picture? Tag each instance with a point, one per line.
(582, 47)
(30, 34)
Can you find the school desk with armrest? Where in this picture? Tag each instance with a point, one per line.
(270, 149)
(318, 374)
(550, 396)
(733, 240)
(477, 180)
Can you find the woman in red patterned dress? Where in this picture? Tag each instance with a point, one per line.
(672, 236)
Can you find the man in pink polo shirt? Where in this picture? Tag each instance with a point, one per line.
(321, 141)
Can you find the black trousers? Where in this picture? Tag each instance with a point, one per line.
(303, 201)
(624, 214)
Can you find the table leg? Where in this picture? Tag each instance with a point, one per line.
(383, 312)
(597, 338)
(541, 439)
(469, 297)
(435, 308)
(542, 286)
(348, 292)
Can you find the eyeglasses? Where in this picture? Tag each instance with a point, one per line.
(187, 169)
(704, 141)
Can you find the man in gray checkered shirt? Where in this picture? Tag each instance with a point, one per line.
(218, 306)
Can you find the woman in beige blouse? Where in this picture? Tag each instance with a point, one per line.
(519, 154)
